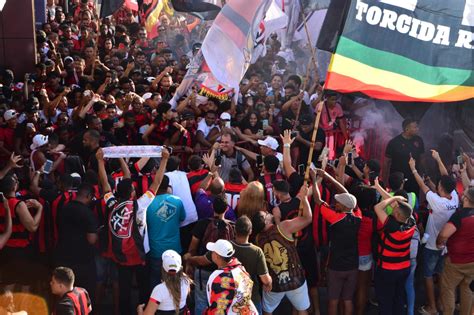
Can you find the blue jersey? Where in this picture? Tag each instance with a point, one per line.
(163, 217)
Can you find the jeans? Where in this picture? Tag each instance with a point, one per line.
(410, 288)
(154, 266)
(390, 290)
(455, 275)
(125, 275)
(200, 295)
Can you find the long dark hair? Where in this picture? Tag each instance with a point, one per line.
(173, 282)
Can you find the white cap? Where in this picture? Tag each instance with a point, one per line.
(9, 114)
(269, 142)
(347, 200)
(150, 79)
(222, 248)
(225, 116)
(38, 141)
(147, 96)
(171, 261)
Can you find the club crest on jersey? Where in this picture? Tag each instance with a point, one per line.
(121, 217)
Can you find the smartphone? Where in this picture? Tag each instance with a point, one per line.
(372, 177)
(48, 166)
(460, 160)
(265, 123)
(227, 124)
(218, 160)
(301, 169)
(260, 132)
(350, 159)
(259, 160)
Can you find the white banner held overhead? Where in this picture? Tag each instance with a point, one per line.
(133, 151)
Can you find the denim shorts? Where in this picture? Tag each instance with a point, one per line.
(365, 262)
(299, 298)
(433, 262)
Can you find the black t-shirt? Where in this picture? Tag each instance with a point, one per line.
(296, 182)
(304, 150)
(399, 150)
(75, 221)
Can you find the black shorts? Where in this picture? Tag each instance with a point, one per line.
(310, 264)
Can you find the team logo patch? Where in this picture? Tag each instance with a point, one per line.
(121, 217)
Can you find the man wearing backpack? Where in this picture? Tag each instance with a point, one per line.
(229, 157)
(127, 227)
(205, 231)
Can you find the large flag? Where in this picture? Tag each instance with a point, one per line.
(204, 9)
(108, 7)
(150, 14)
(406, 50)
(230, 42)
(275, 19)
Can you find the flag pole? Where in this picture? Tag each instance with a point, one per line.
(96, 46)
(312, 60)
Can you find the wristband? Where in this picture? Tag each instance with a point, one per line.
(286, 145)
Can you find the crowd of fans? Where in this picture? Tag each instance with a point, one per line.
(223, 222)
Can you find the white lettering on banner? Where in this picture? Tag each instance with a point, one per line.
(465, 39)
(422, 30)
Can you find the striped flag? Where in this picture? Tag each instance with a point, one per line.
(406, 50)
(229, 44)
(109, 7)
(150, 14)
(204, 9)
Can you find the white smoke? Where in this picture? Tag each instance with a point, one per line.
(379, 122)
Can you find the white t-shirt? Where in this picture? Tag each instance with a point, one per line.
(441, 210)
(161, 295)
(202, 126)
(180, 184)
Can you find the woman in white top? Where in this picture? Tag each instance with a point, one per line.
(169, 297)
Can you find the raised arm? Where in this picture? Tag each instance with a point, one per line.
(300, 222)
(12, 163)
(31, 223)
(338, 186)
(287, 141)
(380, 207)
(160, 172)
(442, 169)
(417, 176)
(381, 190)
(103, 181)
(125, 169)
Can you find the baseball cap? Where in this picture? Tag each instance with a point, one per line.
(9, 114)
(269, 142)
(171, 261)
(187, 115)
(147, 96)
(222, 248)
(38, 141)
(306, 120)
(225, 116)
(347, 200)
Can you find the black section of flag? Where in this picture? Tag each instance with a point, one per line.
(109, 7)
(204, 9)
(333, 25)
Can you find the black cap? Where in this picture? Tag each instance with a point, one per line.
(187, 115)
(306, 120)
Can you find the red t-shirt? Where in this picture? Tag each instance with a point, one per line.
(7, 137)
(461, 243)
